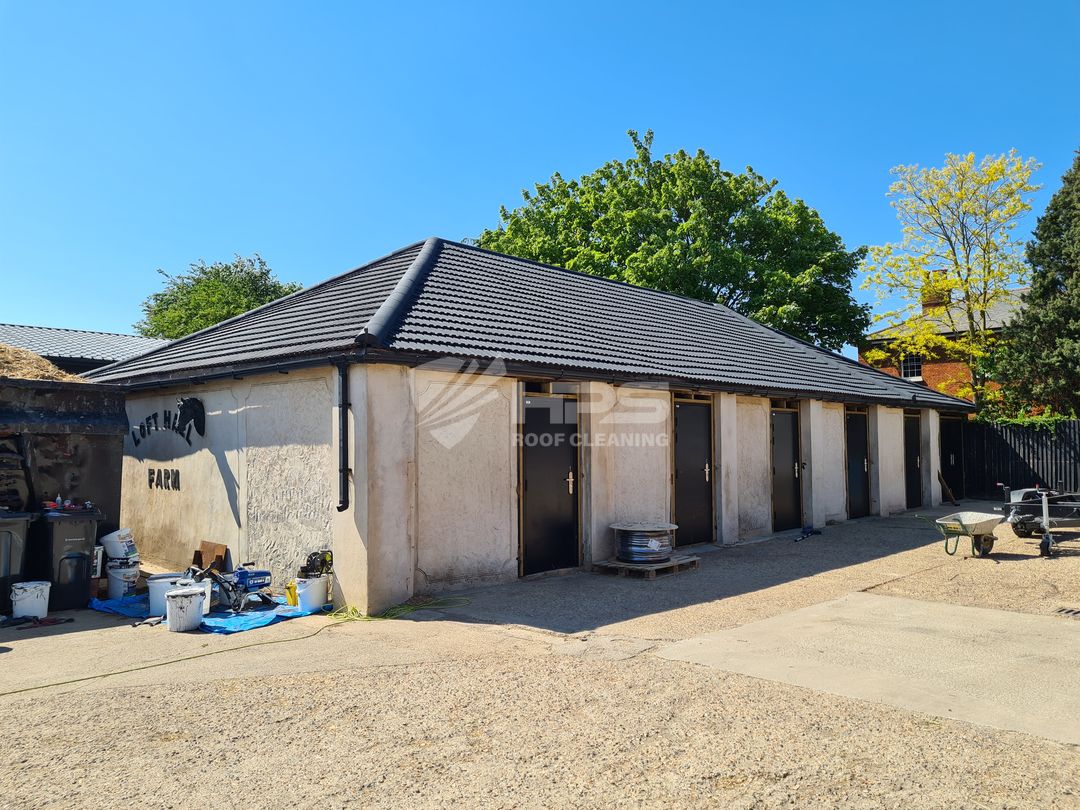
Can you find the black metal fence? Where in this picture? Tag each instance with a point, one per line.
(1020, 457)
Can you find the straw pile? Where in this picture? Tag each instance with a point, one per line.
(25, 365)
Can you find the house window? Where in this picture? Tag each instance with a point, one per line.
(911, 367)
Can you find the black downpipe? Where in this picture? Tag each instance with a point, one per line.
(343, 437)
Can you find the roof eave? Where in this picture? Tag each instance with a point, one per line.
(521, 368)
(281, 365)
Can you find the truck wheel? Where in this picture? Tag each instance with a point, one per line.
(1021, 530)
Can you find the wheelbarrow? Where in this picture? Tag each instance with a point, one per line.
(979, 526)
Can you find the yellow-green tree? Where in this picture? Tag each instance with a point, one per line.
(956, 260)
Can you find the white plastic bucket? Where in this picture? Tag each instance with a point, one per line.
(30, 599)
(311, 594)
(207, 587)
(123, 577)
(119, 544)
(159, 584)
(183, 609)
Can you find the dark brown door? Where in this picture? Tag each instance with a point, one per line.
(693, 473)
(550, 484)
(786, 471)
(858, 465)
(913, 460)
(952, 455)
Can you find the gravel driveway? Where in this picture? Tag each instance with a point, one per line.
(539, 694)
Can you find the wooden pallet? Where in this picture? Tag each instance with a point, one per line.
(677, 564)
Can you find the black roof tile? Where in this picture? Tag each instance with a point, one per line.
(446, 298)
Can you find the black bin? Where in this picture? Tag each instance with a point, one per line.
(14, 527)
(64, 546)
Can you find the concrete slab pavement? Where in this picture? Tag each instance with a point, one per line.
(995, 668)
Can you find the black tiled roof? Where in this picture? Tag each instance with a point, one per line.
(323, 319)
(442, 298)
(76, 344)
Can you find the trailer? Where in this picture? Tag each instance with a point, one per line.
(1050, 511)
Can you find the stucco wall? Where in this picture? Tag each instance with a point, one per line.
(434, 501)
(888, 457)
(629, 460)
(466, 479)
(930, 450)
(288, 463)
(641, 421)
(726, 439)
(754, 467)
(830, 460)
(631, 432)
(260, 479)
(389, 536)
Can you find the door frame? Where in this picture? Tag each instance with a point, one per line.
(695, 398)
(521, 394)
(960, 420)
(912, 413)
(865, 411)
(786, 406)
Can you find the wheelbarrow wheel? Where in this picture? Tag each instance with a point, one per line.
(982, 544)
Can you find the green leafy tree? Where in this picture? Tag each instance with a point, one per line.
(1039, 365)
(956, 262)
(208, 294)
(685, 225)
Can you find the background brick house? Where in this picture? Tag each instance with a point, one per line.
(939, 373)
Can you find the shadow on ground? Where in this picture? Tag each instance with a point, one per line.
(580, 602)
(83, 620)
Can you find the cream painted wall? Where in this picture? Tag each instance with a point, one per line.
(726, 433)
(350, 525)
(389, 536)
(930, 450)
(261, 479)
(628, 460)
(598, 468)
(754, 467)
(169, 524)
(288, 464)
(830, 466)
(887, 456)
(466, 479)
(432, 505)
(641, 427)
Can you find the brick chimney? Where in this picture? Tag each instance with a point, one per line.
(932, 297)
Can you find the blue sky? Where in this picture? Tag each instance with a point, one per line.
(137, 136)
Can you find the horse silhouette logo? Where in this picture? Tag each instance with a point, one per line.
(190, 413)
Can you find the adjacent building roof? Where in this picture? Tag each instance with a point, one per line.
(998, 314)
(76, 344)
(440, 298)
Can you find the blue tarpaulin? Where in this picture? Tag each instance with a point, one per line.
(217, 621)
(134, 607)
(229, 622)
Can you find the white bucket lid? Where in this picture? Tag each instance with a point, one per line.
(183, 593)
(173, 576)
(33, 585)
(123, 562)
